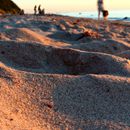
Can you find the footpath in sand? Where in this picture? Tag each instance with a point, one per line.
(64, 73)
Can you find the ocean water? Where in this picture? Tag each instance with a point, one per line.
(113, 15)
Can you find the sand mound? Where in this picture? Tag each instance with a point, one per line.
(70, 37)
(39, 101)
(25, 34)
(124, 54)
(21, 34)
(3, 37)
(107, 46)
(38, 58)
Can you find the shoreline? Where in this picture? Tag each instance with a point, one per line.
(124, 18)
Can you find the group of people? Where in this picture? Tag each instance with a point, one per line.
(105, 13)
(100, 4)
(38, 10)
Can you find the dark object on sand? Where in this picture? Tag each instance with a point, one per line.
(21, 12)
(41, 11)
(125, 18)
(89, 34)
(105, 13)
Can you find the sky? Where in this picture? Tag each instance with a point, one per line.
(58, 6)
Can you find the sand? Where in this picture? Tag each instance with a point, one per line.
(64, 73)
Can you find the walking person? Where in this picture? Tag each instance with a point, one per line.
(100, 4)
(101, 10)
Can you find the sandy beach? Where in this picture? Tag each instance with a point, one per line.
(64, 73)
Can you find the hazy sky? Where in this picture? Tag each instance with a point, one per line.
(72, 5)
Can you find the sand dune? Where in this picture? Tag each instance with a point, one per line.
(56, 74)
(38, 58)
(40, 101)
(124, 54)
(25, 34)
(107, 46)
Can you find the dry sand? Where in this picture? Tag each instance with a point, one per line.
(64, 73)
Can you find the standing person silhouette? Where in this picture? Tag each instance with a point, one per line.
(35, 9)
(100, 5)
(39, 9)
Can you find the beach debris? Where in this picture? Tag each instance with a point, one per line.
(89, 33)
(125, 18)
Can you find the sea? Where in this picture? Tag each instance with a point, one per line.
(123, 15)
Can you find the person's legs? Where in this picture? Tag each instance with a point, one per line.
(105, 18)
(100, 10)
(99, 13)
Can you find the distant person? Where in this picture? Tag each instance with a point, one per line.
(43, 12)
(101, 9)
(100, 5)
(39, 9)
(35, 9)
(21, 12)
